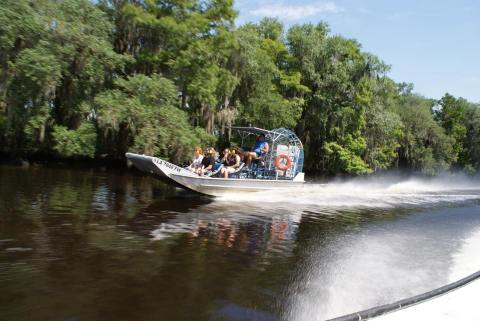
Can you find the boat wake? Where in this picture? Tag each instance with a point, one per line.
(368, 193)
(345, 260)
(386, 262)
(466, 261)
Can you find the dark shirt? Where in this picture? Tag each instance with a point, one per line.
(230, 160)
(208, 160)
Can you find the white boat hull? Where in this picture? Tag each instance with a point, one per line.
(208, 185)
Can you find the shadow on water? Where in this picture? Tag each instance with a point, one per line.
(101, 245)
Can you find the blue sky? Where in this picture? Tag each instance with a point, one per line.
(433, 44)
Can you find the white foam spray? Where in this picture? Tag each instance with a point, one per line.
(459, 305)
(467, 260)
(367, 193)
(381, 265)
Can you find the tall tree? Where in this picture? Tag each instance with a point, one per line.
(187, 41)
(62, 58)
(270, 93)
(337, 74)
(471, 147)
(450, 113)
(384, 128)
(21, 27)
(82, 78)
(424, 145)
(141, 115)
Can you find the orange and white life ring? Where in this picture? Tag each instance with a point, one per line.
(283, 162)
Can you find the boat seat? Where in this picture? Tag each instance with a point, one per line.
(237, 171)
(216, 169)
(257, 168)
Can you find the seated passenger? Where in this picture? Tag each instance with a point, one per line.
(207, 162)
(196, 160)
(231, 161)
(259, 149)
(224, 157)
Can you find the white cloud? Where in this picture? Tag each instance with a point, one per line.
(294, 12)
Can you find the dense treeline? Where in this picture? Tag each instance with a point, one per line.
(84, 80)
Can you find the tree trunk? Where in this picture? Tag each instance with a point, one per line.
(41, 134)
(207, 118)
(6, 73)
(184, 98)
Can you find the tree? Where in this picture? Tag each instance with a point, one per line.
(270, 93)
(88, 79)
(384, 128)
(140, 115)
(471, 146)
(187, 41)
(450, 113)
(424, 144)
(58, 56)
(21, 25)
(338, 76)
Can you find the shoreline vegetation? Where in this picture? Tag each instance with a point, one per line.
(82, 80)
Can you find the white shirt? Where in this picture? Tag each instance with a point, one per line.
(197, 161)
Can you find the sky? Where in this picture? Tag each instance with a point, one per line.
(433, 44)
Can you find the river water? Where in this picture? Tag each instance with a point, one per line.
(80, 244)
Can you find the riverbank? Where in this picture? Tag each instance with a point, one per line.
(124, 165)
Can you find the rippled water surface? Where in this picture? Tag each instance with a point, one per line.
(105, 245)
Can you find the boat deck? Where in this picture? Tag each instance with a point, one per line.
(459, 305)
(454, 301)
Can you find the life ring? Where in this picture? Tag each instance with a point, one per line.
(283, 162)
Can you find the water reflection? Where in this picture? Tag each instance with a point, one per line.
(239, 227)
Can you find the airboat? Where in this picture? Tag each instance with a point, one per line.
(280, 168)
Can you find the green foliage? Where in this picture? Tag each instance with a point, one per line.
(346, 158)
(424, 145)
(384, 129)
(270, 93)
(189, 41)
(450, 115)
(35, 128)
(75, 143)
(340, 79)
(140, 115)
(471, 152)
(55, 55)
(82, 79)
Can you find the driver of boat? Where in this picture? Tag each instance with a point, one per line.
(207, 162)
(231, 161)
(259, 149)
(196, 160)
